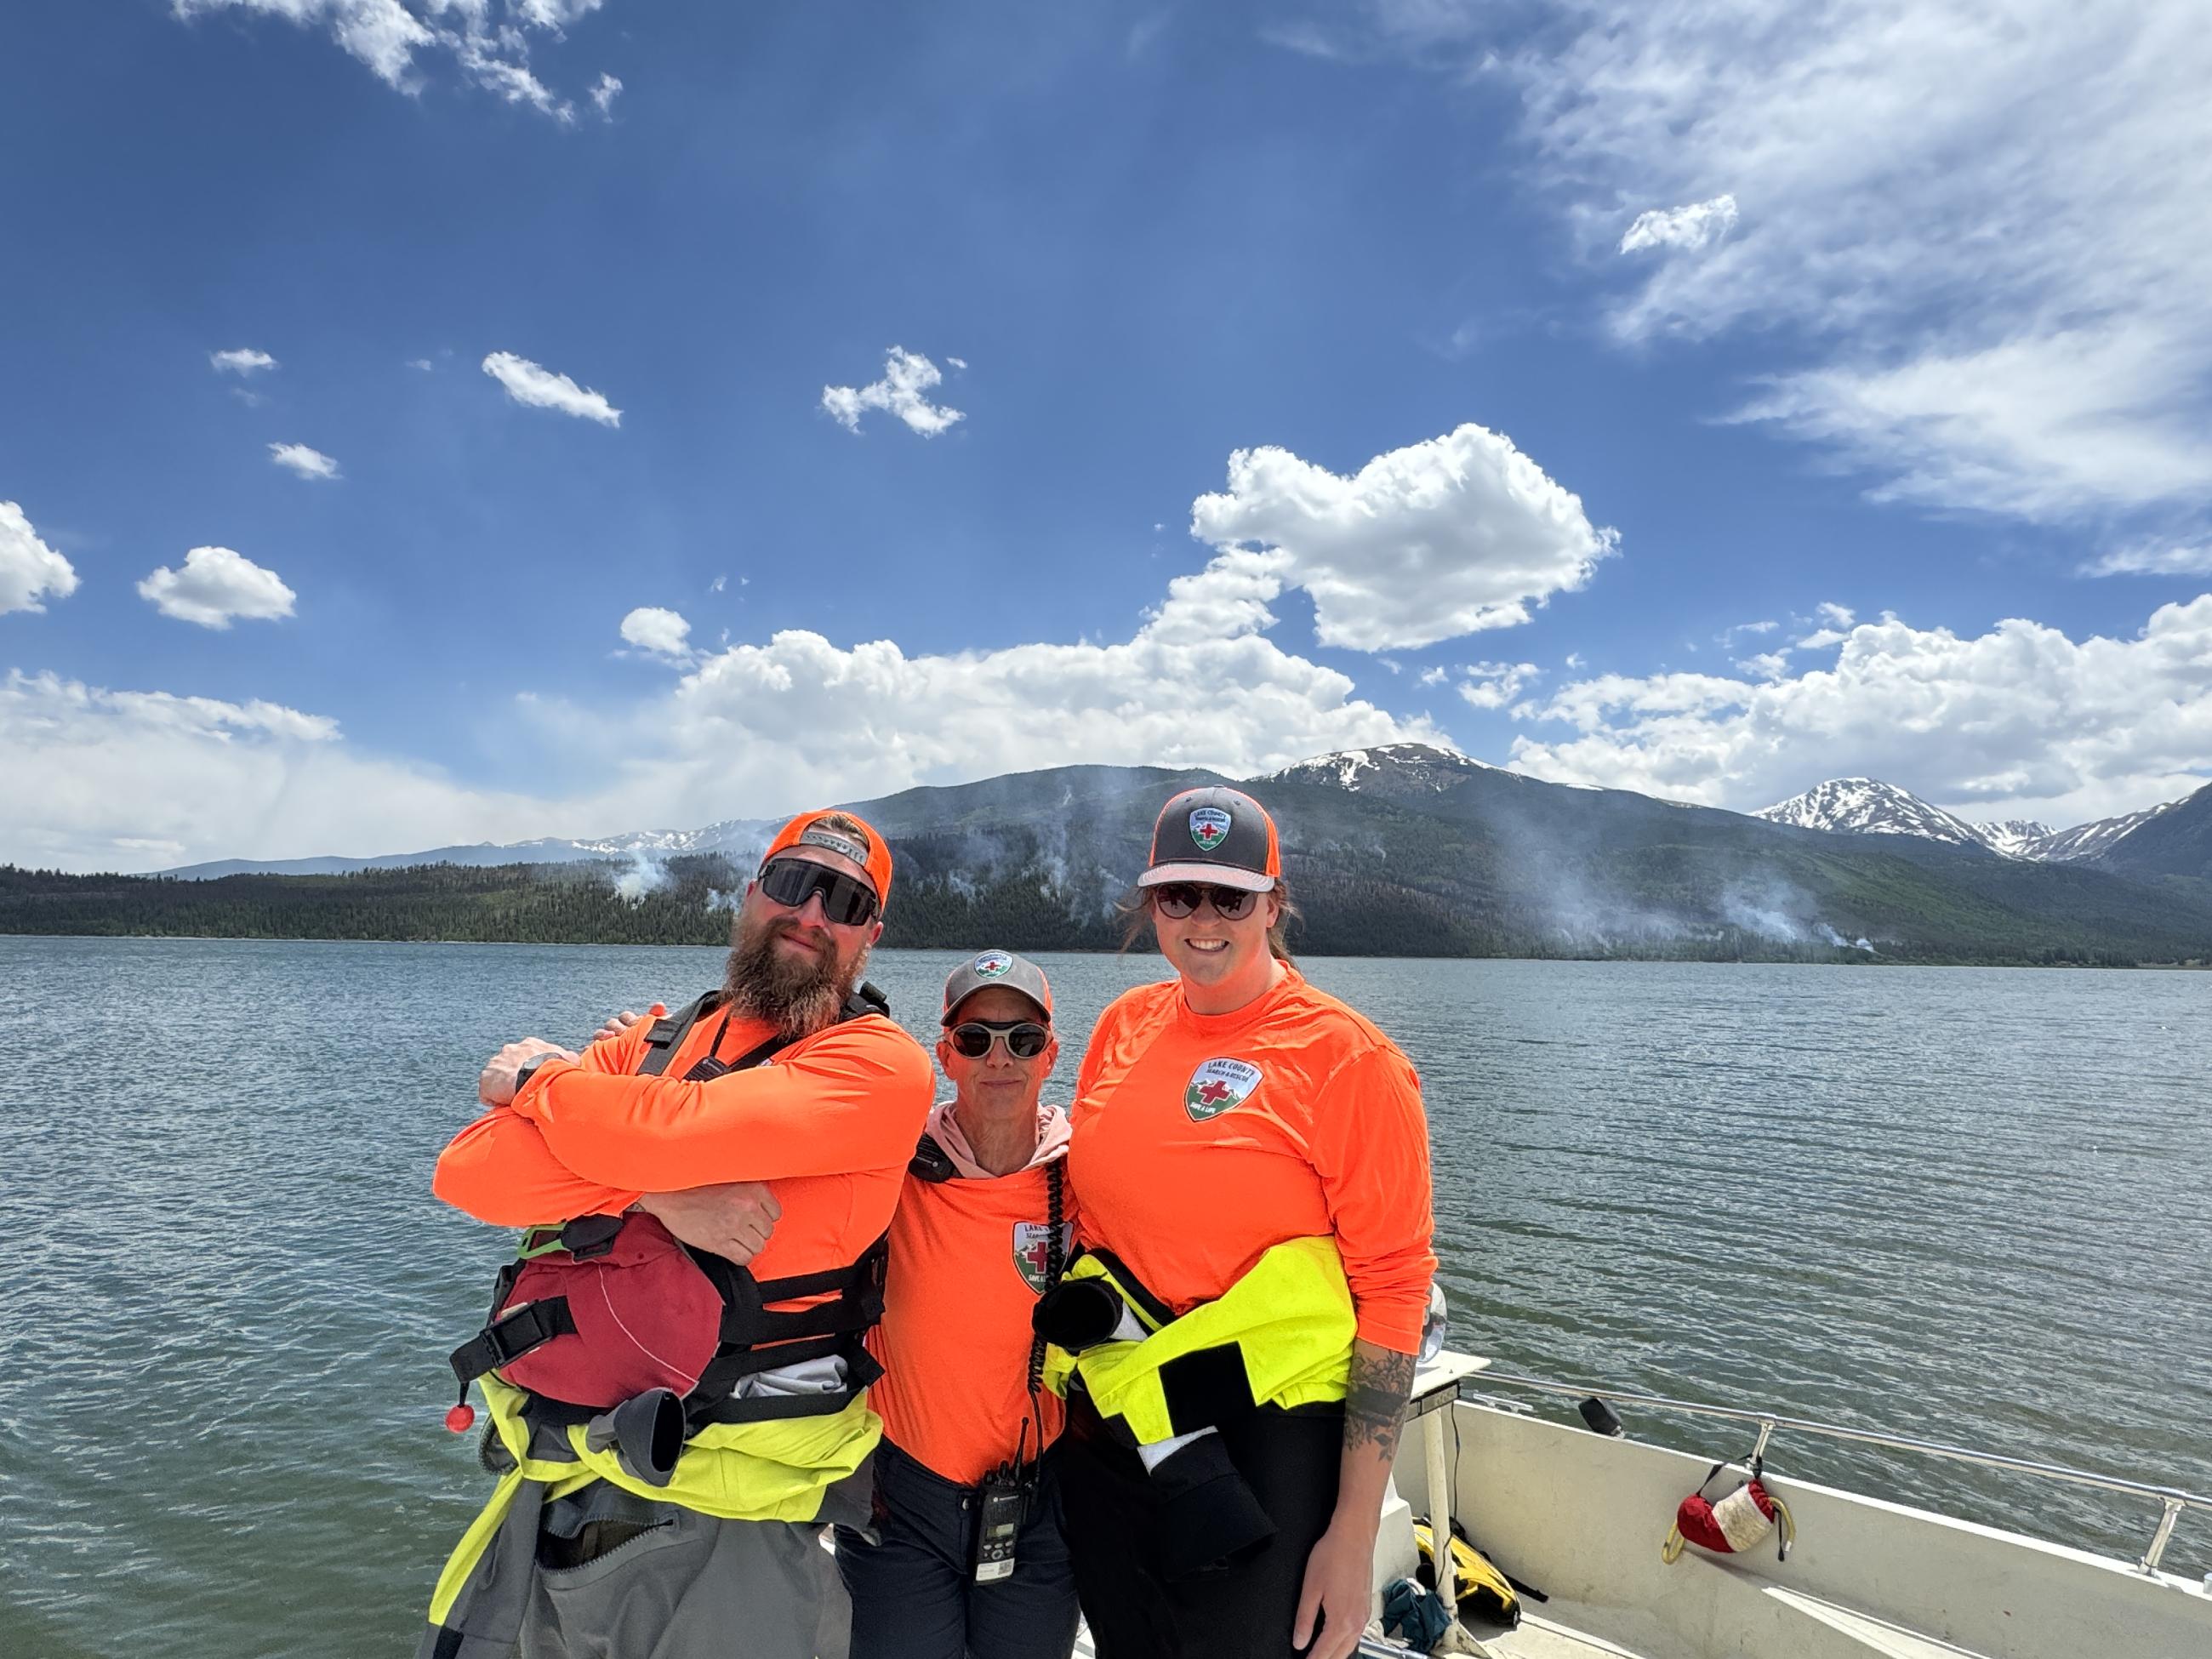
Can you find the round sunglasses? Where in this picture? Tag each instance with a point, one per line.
(845, 901)
(1024, 1038)
(1177, 899)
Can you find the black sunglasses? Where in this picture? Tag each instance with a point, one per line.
(846, 900)
(1024, 1038)
(1179, 898)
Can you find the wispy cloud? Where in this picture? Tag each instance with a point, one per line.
(2153, 558)
(541, 388)
(216, 586)
(908, 377)
(243, 361)
(389, 36)
(1987, 222)
(604, 93)
(303, 462)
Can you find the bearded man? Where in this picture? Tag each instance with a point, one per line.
(769, 1125)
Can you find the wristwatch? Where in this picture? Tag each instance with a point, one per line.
(528, 1070)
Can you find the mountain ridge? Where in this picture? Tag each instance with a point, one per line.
(1390, 851)
(1860, 806)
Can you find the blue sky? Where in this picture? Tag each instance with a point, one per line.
(1562, 347)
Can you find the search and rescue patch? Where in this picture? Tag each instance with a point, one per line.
(1033, 1250)
(1209, 826)
(830, 842)
(1219, 1086)
(991, 964)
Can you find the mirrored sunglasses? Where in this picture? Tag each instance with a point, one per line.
(846, 900)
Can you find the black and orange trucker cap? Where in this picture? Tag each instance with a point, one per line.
(1220, 835)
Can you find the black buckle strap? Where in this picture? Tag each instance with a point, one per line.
(861, 1371)
(670, 1029)
(509, 1337)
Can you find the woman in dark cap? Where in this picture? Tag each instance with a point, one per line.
(1251, 1160)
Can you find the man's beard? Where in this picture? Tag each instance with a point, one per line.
(797, 995)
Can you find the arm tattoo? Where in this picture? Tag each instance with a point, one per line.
(1374, 1402)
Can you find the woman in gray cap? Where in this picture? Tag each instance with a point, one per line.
(965, 1558)
(1242, 1319)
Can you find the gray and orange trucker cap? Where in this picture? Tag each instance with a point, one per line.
(996, 968)
(1219, 836)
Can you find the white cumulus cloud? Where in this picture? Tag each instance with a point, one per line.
(215, 586)
(304, 462)
(1451, 536)
(664, 633)
(244, 359)
(1691, 226)
(749, 728)
(604, 95)
(30, 571)
(907, 378)
(2020, 721)
(541, 388)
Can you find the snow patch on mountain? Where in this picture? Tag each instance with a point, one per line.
(1868, 807)
(1394, 769)
(2016, 838)
(2088, 841)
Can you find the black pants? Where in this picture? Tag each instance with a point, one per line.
(1289, 1459)
(914, 1593)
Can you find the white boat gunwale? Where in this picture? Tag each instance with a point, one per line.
(2173, 1500)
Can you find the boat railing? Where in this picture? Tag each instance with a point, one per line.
(2173, 1499)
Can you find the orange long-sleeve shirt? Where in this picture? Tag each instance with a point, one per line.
(967, 1266)
(1203, 1140)
(829, 1123)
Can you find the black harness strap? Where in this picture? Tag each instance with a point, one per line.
(1204, 1388)
(510, 1336)
(669, 1032)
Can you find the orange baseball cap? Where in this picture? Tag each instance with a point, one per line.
(868, 849)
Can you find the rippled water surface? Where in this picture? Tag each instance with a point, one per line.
(1974, 1206)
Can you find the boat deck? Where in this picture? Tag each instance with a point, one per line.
(1535, 1638)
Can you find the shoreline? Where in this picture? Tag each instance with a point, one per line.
(1855, 959)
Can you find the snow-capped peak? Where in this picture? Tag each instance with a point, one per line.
(1392, 767)
(1869, 806)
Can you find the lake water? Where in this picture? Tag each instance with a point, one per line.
(1974, 1206)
